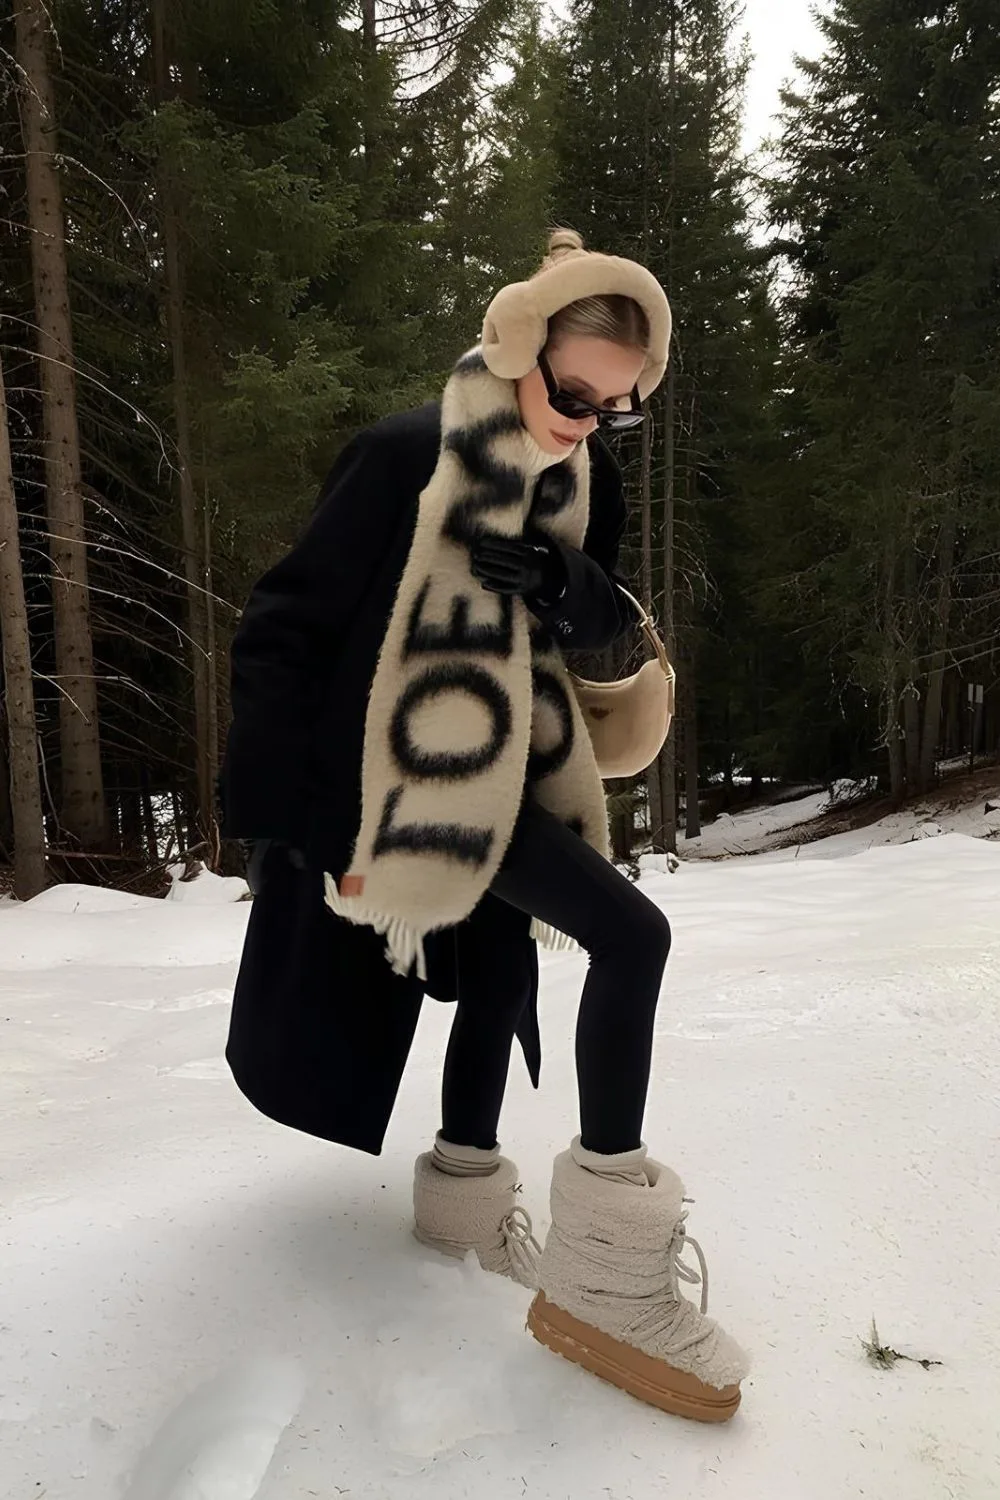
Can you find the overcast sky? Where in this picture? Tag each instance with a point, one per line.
(778, 29)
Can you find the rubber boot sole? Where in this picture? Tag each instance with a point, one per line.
(640, 1375)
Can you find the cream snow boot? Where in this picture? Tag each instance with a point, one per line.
(464, 1199)
(609, 1296)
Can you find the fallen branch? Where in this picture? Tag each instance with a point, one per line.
(884, 1358)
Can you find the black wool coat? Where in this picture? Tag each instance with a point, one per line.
(321, 1026)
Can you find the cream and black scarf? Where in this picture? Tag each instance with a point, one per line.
(471, 699)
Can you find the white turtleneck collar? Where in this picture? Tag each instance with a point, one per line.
(537, 458)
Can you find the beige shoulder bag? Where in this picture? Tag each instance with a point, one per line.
(629, 720)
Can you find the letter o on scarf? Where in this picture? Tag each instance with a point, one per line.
(548, 689)
(452, 764)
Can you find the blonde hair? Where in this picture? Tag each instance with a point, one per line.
(614, 317)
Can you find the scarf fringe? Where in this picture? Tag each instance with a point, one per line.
(404, 945)
(551, 938)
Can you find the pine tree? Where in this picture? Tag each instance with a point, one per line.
(515, 201)
(889, 208)
(477, 147)
(82, 808)
(245, 161)
(19, 755)
(265, 110)
(649, 167)
(290, 227)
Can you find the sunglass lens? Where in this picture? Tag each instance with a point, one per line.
(622, 419)
(578, 410)
(570, 406)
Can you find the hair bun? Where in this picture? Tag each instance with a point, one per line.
(564, 241)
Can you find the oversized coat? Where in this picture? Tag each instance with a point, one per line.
(321, 1026)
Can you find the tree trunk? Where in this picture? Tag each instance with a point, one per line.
(692, 816)
(646, 503)
(689, 704)
(6, 812)
(665, 768)
(952, 733)
(622, 823)
(133, 834)
(369, 65)
(646, 475)
(911, 736)
(148, 818)
(211, 683)
(22, 752)
(911, 694)
(668, 755)
(206, 754)
(654, 799)
(889, 671)
(935, 676)
(194, 833)
(178, 822)
(893, 739)
(82, 810)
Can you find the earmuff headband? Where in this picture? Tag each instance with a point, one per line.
(515, 327)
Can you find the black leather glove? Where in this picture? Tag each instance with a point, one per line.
(510, 565)
(255, 853)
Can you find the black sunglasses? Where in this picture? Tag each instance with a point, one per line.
(576, 408)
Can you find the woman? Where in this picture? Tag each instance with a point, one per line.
(409, 759)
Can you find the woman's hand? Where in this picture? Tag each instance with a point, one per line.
(511, 565)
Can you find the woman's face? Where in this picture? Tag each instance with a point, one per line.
(597, 369)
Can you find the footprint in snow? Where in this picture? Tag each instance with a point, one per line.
(217, 1444)
(211, 1069)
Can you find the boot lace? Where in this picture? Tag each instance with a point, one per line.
(676, 1318)
(678, 1270)
(520, 1243)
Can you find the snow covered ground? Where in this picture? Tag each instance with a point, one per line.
(198, 1305)
(945, 810)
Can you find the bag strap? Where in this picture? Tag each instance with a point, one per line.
(652, 636)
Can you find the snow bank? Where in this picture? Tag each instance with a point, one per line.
(206, 888)
(92, 925)
(751, 831)
(74, 899)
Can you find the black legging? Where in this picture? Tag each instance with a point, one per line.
(553, 874)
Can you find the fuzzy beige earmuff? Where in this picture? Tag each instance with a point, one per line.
(515, 327)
